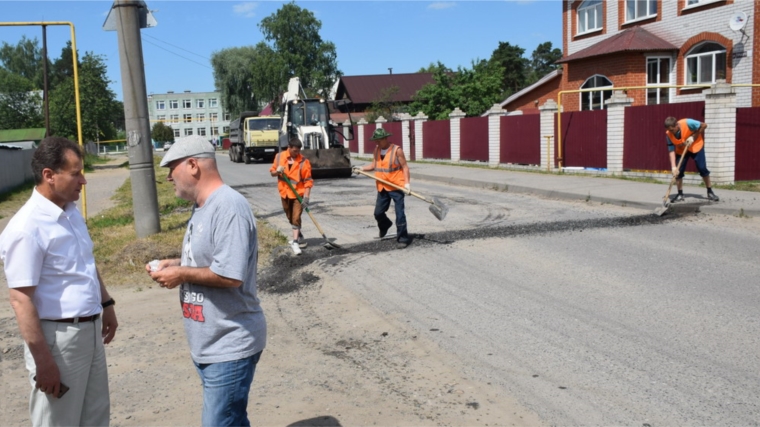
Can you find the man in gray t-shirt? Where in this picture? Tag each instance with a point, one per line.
(216, 274)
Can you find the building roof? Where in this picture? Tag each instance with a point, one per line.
(530, 88)
(16, 135)
(634, 39)
(368, 89)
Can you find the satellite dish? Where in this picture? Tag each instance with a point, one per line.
(738, 20)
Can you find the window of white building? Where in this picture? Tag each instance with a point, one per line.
(214, 130)
(226, 130)
(213, 117)
(173, 104)
(658, 74)
(201, 117)
(706, 63)
(595, 100)
(160, 105)
(226, 117)
(188, 131)
(187, 103)
(589, 16)
(187, 118)
(200, 103)
(640, 9)
(202, 131)
(176, 133)
(161, 118)
(212, 103)
(174, 118)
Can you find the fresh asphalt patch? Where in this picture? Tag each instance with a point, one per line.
(285, 274)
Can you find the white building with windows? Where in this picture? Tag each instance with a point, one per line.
(651, 43)
(190, 113)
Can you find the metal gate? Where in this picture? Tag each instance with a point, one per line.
(747, 144)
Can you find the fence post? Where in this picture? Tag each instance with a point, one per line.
(548, 113)
(616, 129)
(720, 136)
(419, 119)
(494, 134)
(361, 123)
(405, 141)
(346, 134)
(455, 118)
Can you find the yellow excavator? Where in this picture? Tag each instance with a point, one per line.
(322, 139)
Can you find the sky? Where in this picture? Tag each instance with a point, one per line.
(370, 36)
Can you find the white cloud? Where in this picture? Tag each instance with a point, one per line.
(246, 10)
(441, 5)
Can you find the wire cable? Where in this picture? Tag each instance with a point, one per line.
(172, 45)
(174, 53)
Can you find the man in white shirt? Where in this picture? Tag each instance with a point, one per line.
(63, 310)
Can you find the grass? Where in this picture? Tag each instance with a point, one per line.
(121, 256)
(12, 201)
(741, 186)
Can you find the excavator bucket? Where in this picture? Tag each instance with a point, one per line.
(332, 162)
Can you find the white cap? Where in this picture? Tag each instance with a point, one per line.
(188, 146)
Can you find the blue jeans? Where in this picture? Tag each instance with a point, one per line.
(225, 391)
(382, 204)
(699, 159)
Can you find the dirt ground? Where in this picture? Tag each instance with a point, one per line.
(331, 360)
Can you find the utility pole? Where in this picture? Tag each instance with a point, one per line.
(128, 16)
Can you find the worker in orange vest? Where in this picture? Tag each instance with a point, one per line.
(686, 138)
(297, 168)
(390, 165)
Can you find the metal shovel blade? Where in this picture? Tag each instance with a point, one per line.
(438, 209)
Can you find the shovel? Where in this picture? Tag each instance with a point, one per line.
(328, 244)
(666, 200)
(437, 207)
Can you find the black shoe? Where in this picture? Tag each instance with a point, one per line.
(678, 198)
(384, 228)
(301, 241)
(712, 197)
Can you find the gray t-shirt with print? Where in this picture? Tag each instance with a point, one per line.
(223, 324)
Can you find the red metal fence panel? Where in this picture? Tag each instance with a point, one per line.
(394, 128)
(584, 139)
(436, 138)
(412, 143)
(520, 139)
(474, 139)
(747, 144)
(644, 141)
(369, 146)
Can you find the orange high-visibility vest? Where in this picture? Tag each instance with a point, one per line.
(299, 175)
(697, 145)
(389, 168)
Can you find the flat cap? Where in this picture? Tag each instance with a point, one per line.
(188, 146)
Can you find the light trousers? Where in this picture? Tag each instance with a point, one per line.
(78, 351)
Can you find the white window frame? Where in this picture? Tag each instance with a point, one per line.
(187, 104)
(697, 3)
(214, 130)
(188, 131)
(199, 103)
(655, 85)
(226, 130)
(202, 131)
(213, 117)
(213, 103)
(590, 94)
(174, 118)
(161, 118)
(174, 104)
(226, 117)
(699, 57)
(160, 105)
(201, 117)
(638, 16)
(187, 118)
(176, 132)
(583, 13)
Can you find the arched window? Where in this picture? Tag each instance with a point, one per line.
(594, 100)
(706, 63)
(589, 16)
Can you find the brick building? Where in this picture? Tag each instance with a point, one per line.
(633, 43)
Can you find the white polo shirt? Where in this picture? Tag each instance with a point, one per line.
(51, 249)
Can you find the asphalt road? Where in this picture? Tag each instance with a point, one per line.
(587, 314)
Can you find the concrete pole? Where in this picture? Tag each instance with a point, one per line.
(144, 197)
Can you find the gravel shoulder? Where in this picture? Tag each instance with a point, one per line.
(331, 360)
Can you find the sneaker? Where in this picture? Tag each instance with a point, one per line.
(678, 198)
(712, 197)
(301, 241)
(384, 229)
(402, 245)
(294, 245)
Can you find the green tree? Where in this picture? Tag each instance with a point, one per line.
(472, 91)
(510, 58)
(233, 72)
(542, 62)
(23, 59)
(433, 67)
(293, 34)
(20, 104)
(97, 103)
(384, 105)
(162, 133)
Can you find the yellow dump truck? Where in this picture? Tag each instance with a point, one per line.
(254, 137)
